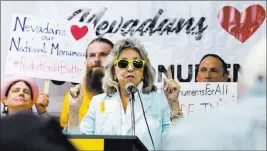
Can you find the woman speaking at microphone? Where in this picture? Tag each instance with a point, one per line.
(127, 66)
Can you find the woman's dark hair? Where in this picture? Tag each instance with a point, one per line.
(5, 111)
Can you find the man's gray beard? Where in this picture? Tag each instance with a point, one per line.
(94, 81)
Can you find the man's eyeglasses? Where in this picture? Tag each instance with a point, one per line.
(123, 63)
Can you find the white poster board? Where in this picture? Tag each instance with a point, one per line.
(47, 50)
(201, 97)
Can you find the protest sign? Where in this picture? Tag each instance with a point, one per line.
(201, 97)
(47, 50)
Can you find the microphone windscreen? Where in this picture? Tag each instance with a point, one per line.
(128, 87)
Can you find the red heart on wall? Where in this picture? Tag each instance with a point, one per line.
(78, 32)
(241, 25)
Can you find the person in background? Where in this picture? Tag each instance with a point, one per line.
(20, 94)
(110, 113)
(240, 126)
(212, 68)
(96, 52)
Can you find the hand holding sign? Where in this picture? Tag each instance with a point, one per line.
(42, 102)
(171, 90)
(43, 99)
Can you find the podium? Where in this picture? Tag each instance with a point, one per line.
(107, 143)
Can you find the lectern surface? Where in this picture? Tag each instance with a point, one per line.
(107, 142)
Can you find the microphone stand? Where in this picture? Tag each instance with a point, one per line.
(132, 100)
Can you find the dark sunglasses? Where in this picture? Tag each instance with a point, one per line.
(122, 63)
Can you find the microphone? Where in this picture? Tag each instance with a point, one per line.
(130, 88)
